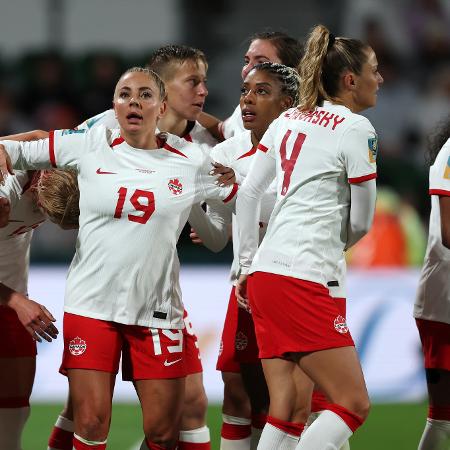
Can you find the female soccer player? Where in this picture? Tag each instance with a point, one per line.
(267, 46)
(23, 320)
(432, 307)
(323, 156)
(122, 294)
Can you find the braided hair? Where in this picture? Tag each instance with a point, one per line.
(287, 77)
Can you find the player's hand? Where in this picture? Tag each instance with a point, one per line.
(5, 209)
(241, 293)
(34, 317)
(5, 165)
(195, 238)
(226, 174)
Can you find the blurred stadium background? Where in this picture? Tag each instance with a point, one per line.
(59, 62)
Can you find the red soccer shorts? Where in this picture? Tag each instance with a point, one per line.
(15, 339)
(192, 360)
(293, 315)
(226, 361)
(246, 347)
(435, 337)
(147, 353)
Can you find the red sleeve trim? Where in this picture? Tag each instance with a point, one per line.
(251, 152)
(51, 148)
(439, 192)
(173, 150)
(362, 179)
(232, 193)
(263, 148)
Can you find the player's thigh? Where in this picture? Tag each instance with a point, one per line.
(304, 389)
(338, 373)
(17, 376)
(163, 421)
(279, 374)
(195, 403)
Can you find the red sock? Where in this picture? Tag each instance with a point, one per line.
(294, 429)
(152, 446)
(439, 412)
(62, 435)
(194, 445)
(352, 420)
(234, 432)
(79, 444)
(319, 401)
(259, 420)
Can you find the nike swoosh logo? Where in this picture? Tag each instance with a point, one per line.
(101, 172)
(171, 363)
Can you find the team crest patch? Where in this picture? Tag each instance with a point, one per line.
(447, 170)
(240, 341)
(373, 149)
(77, 346)
(340, 324)
(175, 186)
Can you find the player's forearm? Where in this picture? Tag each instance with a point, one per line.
(362, 208)
(211, 123)
(27, 155)
(444, 206)
(210, 228)
(27, 136)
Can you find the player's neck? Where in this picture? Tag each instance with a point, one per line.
(173, 124)
(145, 142)
(256, 136)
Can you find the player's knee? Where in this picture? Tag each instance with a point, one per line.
(235, 395)
(163, 434)
(361, 407)
(91, 425)
(195, 404)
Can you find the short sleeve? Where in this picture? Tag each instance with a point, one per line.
(106, 118)
(440, 172)
(359, 147)
(66, 147)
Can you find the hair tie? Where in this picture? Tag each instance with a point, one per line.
(331, 39)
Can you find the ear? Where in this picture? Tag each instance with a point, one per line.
(162, 109)
(349, 81)
(287, 103)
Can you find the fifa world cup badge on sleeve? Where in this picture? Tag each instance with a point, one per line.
(373, 149)
(447, 170)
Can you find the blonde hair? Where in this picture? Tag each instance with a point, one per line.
(325, 59)
(58, 195)
(152, 75)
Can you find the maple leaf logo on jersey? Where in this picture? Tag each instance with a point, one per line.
(240, 341)
(175, 186)
(340, 324)
(77, 346)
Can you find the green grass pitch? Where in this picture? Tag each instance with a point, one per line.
(389, 427)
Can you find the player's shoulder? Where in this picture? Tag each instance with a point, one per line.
(200, 135)
(190, 152)
(234, 143)
(106, 118)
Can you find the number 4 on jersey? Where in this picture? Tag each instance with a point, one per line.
(148, 209)
(287, 165)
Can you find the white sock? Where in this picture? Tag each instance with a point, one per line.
(435, 434)
(197, 436)
(255, 437)
(272, 437)
(144, 446)
(235, 444)
(12, 422)
(327, 432)
(311, 418)
(88, 442)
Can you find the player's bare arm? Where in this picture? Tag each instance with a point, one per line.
(34, 317)
(444, 206)
(27, 136)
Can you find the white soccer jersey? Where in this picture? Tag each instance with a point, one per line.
(15, 238)
(233, 125)
(433, 296)
(237, 153)
(197, 134)
(133, 206)
(315, 156)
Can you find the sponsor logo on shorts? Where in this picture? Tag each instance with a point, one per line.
(221, 347)
(77, 346)
(340, 324)
(241, 341)
(175, 186)
(171, 363)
